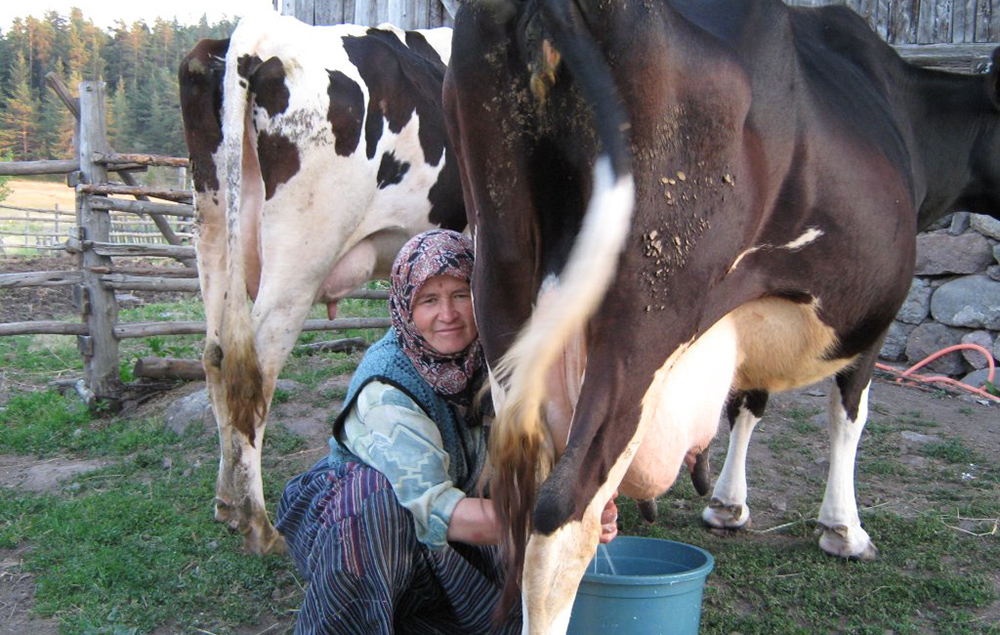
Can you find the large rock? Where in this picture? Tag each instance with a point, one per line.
(985, 225)
(971, 302)
(996, 252)
(894, 347)
(191, 409)
(975, 358)
(929, 338)
(940, 254)
(917, 305)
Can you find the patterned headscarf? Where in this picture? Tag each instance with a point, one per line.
(433, 253)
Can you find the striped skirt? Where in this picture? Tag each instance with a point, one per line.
(368, 574)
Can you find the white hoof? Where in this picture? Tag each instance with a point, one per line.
(722, 516)
(846, 542)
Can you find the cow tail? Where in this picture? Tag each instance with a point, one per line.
(242, 379)
(519, 439)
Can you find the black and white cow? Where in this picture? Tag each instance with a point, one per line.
(316, 153)
(692, 199)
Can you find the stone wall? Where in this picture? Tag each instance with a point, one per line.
(954, 298)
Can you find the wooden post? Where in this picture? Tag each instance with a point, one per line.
(98, 305)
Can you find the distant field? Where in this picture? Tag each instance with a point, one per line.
(40, 194)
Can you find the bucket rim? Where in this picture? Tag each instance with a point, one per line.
(699, 572)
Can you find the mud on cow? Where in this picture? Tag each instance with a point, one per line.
(316, 153)
(694, 202)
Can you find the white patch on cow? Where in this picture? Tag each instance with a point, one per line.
(681, 407)
(808, 237)
(555, 564)
(729, 497)
(843, 535)
(584, 280)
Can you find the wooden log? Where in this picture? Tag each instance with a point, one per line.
(140, 159)
(163, 272)
(144, 207)
(43, 327)
(369, 294)
(345, 345)
(151, 329)
(25, 168)
(178, 196)
(152, 251)
(98, 304)
(78, 386)
(120, 282)
(40, 279)
(169, 368)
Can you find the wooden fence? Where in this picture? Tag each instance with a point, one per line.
(98, 276)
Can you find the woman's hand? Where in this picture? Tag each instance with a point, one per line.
(609, 520)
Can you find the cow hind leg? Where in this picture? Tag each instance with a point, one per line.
(728, 507)
(842, 534)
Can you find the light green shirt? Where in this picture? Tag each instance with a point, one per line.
(391, 433)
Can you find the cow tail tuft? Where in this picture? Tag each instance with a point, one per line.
(520, 447)
(241, 374)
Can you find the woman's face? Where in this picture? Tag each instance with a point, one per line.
(442, 314)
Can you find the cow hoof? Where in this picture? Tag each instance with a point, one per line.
(843, 542)
(264, 542)
(722, 516)
(224, 511)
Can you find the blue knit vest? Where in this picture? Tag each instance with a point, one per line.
(386, 362)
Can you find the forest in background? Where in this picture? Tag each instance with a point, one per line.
(138, 62)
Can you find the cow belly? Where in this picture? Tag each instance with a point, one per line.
(681, 408)
(783, 345)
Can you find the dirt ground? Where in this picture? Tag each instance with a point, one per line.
(775, 481)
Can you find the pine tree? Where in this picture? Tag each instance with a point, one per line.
(17, 122)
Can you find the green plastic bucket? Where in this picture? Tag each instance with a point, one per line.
(655, 589)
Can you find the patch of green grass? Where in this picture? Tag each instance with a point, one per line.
(47, 423)
(802, 419)
(141, 551)
(927, 579)
(883, 467)
(952, 450)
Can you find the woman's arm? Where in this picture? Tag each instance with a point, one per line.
(474, 522)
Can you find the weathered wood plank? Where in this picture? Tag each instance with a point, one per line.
(143, 207)
(43, 327)
(119, 281)
(103, 248)
(140, 159)
(39, 279)
(178, 196)
(98, 304)
(25, 168)
(169, 368)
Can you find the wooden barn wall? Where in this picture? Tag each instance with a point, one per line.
(406, 14)
(927, 21)
(897, 21)
(956, 35)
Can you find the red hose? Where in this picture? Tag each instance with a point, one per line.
(909, 373)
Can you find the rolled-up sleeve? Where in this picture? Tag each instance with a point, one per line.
(390, 432)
